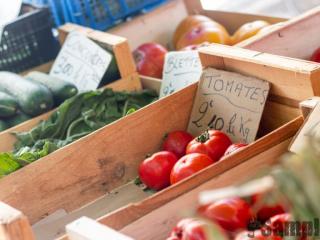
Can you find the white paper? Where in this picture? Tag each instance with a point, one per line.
(82, 62)
(180, 70)
(229, 102)
(88, 229)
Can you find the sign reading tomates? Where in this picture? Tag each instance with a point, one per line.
(229, 102)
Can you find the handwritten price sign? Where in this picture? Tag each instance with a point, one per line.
(82, 62)
(180, 70)
(229, 102)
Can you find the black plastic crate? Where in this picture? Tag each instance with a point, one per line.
(28, 42)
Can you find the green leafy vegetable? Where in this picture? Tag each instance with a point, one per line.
(75, 118)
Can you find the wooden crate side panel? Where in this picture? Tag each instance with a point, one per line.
(161, 221)
(7, 140)
(132, 212)
(232, 20)
(89, 167)
(290, 78)
(156, 26)
(289, 39)
(13, 224)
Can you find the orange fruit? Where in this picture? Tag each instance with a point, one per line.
(188, 23)
(248, 30)
(210, 32)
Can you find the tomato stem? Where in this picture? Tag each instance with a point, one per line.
(203, 137)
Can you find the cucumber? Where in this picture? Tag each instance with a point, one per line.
(17, 119)
(3, 125)
(61, 89)
(33, 98)
(8, 105)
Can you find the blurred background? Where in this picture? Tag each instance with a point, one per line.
(279, 8)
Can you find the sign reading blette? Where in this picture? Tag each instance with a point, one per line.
(229, 102)
(180, 70)
(310, 129)
(82, 62)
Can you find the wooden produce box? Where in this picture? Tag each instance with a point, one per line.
(297, 38)
(109, 158)
(158, 223)
(159, 25)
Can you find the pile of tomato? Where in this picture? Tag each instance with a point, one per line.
(235, 218)
(183, 155)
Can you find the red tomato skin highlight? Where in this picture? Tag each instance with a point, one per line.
(177, 142)
(155, 171)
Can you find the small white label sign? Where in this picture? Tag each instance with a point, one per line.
(180, 70)
(310, 128)
(82, 62)
(229, 102)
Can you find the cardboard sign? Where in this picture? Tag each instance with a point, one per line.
(229, 102)
(87, 229)
(180, 70)
(310, 128)
(82, 62)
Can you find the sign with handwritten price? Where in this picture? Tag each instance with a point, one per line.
(180, 70)
(82, 62)
(229, 102)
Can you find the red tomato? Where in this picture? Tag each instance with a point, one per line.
(212, 143)
(277, 223)
(316, 56)
(231, 214)
(256, 235)
(155, 170)
(188, 165)
(266, 210)
(234, 147)
(176, 142)
(196, 229)
(149, 58)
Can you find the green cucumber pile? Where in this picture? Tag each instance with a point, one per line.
(23, 98)
(73, 119)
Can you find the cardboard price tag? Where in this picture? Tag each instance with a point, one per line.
(82, 62)
(310, 129)
(229, 102)
(180, 70)
(87, 229)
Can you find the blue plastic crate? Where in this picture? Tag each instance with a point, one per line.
(103, 14)
(57, 9)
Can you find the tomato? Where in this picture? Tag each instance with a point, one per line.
(155, 171)
(197, 229)
(264, 208)
(189, 165)
(211, 32)
(187, 24)
(212, 143)
(248, 30)
(234, 147)
(316, 56)
(256, 235)
(176, 142)
(231, 214)
(277, 223)
(149, 58)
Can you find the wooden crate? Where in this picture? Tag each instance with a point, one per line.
(297, 38)
(134, 219)
(155, 26)
(108, 158)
